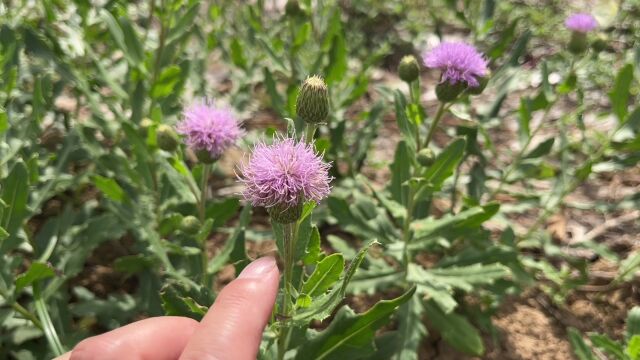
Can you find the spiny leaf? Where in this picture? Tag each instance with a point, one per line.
(37, 271)
(350, 335)
(455, 329)
(327, 272)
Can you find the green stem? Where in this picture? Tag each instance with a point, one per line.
(206, 168)
(290, 237)
(309, 133)
(414, 93)
(406, 232)
(21, 310)
(454, 187)
(434, 125)
(49, 330)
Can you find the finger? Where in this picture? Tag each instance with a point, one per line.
(65, 356)
(232, 329)
(154, 338)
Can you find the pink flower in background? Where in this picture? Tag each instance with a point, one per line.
(285, 173)
(581, 22)
(458, 61)
(209, 128)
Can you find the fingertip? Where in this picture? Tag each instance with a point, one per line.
(154, 338)
(233, 326)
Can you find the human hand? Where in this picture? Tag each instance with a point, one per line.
(231, 329)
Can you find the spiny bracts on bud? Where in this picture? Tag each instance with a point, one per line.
(190, 225)
(448, 92)
(425, 157)
(166, 138)
(285, 214)
(578, 43)
(482, 84)
(312, 104)
(409, 69)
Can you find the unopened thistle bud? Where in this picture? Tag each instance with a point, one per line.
(144, 127)
(190, 225)
(409, 70)
(425, 157)
(166, 138)
(312, 104)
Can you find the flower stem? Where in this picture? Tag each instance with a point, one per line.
(49, 330)
(310, 132)
(289, 244)
(21, 310)
(434, 124)
(414, 94)
(206, 168)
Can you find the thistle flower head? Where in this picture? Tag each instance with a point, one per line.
(581, 22)
(284, 175)
(209, 128)
(458, 61)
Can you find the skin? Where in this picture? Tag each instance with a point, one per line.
(231, 329)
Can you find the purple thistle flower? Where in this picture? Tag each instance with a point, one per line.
(459, 62)
(209, 128)
(284, 173)
(581, 22)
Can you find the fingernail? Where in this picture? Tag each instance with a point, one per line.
(259, 268)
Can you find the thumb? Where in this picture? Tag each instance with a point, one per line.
(232, 329)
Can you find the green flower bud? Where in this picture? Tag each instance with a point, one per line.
(425, 157)
(409, 70)
(312, 104)
(447, 92)
(205, 156)
(190, 225)
(578, 43)
(166, 138)
(483, 81)
(144, 127)
(292, 8)
(284, 214)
